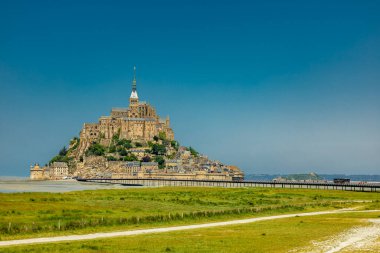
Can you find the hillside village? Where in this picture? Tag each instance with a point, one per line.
(132, 142)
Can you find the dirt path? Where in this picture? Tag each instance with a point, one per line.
(162, 230)
(352, 240)
(358, 237)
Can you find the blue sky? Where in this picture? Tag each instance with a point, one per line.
(270, 86)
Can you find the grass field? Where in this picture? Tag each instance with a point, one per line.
(24, 215)
(283, 235)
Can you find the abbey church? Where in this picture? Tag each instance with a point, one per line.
(138, 122)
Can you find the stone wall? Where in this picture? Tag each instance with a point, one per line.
(98, 166)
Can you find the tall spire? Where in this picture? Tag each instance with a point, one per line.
(134, 79)
(134, 91)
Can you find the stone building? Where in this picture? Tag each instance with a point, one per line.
(36, 172)
(132, 168)
(149, 166)
(55, 171)
(58, 170)
(138, 122)
(173, 165)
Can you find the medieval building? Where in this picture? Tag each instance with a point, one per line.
(55, 171)
(138, 122)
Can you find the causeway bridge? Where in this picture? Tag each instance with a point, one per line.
(152, 182)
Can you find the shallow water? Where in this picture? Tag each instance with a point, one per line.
(8, 185)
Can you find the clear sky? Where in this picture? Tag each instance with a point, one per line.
(270, 86)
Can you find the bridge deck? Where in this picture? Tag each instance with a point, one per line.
(368, 187)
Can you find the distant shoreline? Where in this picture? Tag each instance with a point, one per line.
(354, 178)
(13, 178)
(23, 184)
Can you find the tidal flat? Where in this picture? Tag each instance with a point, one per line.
(23, 184)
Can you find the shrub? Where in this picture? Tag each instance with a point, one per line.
(158, 149)
(115, 138)
(174, 144)
(162, 136)
(59, 158)
(123, 152)
(125, 143)
(63, 151)
(161, 161)
(111, 158)
(74, 143)
(95, 149)
(165, 142)
(130, 158)
(112, 149)
(193, 151)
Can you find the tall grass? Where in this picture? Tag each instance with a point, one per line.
(38, 213)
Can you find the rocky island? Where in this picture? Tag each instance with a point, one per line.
(132, 142)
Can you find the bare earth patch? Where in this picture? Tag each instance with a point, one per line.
(357, 239)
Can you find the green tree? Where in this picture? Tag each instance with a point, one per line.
(138, 144)
(59, 158)
(161, 161)
(112, 149)
(125, 143)
(128, 145)
(158, 149)
(95, 149)
(123, 152)
(111, 158)
(63, 151)
(115, 138)
(193, 151)
(174, 144)
(162, 136)
(74, 140)
(130, 158)
(166, 143)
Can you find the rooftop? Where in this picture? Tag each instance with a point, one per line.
(59, 164)
(119, 109)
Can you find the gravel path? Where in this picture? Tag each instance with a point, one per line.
(353, 240)
(162, 230)
(359, 237)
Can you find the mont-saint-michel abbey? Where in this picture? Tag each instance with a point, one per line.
(132, 142)
(139, 122)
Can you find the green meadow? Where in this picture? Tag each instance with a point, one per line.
(26, 215)
(295, 234)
